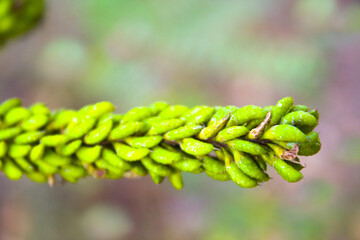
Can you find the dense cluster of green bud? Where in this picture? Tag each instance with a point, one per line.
(18, 16)
(227, 143)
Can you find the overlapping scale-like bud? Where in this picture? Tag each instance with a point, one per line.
(162, 140)
(18, 16)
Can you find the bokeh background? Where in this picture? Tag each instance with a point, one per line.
(193, 52)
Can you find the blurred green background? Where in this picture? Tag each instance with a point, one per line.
(193, 52)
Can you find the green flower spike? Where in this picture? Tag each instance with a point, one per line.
(227, 143)
(17, 17)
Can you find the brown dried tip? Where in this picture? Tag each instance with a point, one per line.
(95, 173)
(131, 174)
(291, 154)
(51, 181)
(256, 132)
(98, 173)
